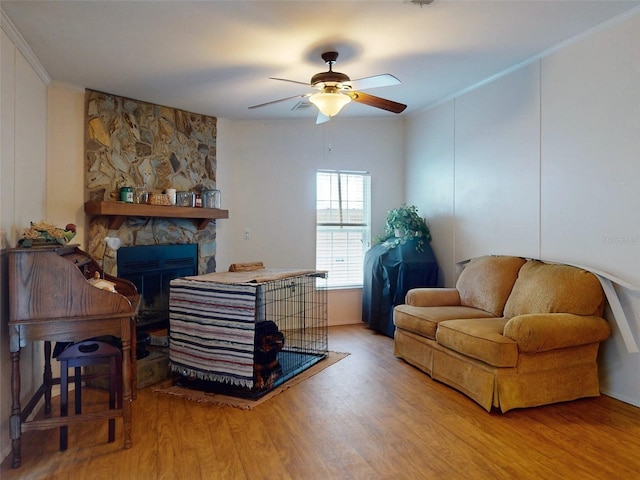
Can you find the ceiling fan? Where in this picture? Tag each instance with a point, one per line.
(335, 90)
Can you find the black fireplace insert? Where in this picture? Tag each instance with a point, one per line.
(151, 268)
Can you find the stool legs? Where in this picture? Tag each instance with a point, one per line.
(85, 354)
(77, 380)
(64, 398)
(64, 406)
(47, 378)
(115, 392)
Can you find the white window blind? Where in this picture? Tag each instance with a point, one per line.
(343, 225)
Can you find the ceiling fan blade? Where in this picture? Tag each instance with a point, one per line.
(278, 101)
(322, 118)
(384, 80)
(306, 84)
(377, 102)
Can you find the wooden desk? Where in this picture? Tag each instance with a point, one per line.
(51, 300)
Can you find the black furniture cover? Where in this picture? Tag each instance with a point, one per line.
(388, 275)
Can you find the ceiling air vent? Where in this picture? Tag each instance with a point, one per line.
(302, 105)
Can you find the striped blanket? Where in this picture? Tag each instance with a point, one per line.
(212, 329)
(212, 321)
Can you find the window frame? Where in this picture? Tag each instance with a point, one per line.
(351, 275)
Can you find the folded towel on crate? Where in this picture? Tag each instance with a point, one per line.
(246, 267)
(255, 276)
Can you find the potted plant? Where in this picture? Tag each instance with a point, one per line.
(403, 224)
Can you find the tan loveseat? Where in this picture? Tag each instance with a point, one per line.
(513, 333)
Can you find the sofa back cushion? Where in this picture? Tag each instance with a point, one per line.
(551, 288)
(486, 282)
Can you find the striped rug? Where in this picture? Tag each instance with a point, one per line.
(212, 329)
(168, 387)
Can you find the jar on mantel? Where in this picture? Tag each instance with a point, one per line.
(126, 194)
(211, 198)
(186, 199)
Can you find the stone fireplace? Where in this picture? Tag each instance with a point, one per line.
(130, 143)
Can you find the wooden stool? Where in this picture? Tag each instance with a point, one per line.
(82, 354)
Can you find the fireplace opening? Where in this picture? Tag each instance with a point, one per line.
(151, 268)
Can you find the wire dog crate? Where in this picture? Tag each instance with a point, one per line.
(246, 333)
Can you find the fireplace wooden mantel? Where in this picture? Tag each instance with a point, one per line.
(119, 211)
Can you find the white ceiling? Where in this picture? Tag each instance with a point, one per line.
(216, 57)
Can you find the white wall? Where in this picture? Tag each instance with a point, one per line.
(544, 163)
(23, 116)
(65, 157)
(590, 172)
(266, 172)
(430, 165)
(272, 187)
(497, 130)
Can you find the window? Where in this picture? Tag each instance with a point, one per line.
(343, 225)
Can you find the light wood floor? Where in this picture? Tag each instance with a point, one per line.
(370, 416)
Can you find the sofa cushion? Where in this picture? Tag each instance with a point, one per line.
(486, 282)
(481, 339)
(424, 320)
(552, 288)
(549, 331)
(432, 297)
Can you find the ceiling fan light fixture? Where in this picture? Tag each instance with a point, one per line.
(329, 104)
(334, 90)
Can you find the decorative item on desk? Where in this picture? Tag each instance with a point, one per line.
(46, 233)
(110, 243)
(402, 224)
(113, 243)
(102, 284)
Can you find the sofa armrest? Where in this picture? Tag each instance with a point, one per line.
(536, 332)
(432, 297)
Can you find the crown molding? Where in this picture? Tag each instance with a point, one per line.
(23, 47)
(67, 85)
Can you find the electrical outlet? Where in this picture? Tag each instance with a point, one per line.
(246, 234)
